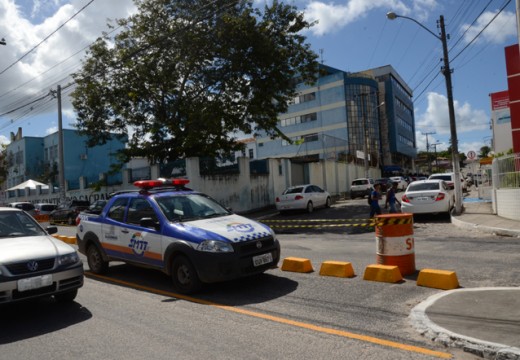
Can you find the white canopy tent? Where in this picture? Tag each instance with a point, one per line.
(31, 184)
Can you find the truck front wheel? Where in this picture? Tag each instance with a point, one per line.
(184, 276)
(95, 260)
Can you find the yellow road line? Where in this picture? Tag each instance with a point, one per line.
(346, 334)
(274, 226)
(315, 220)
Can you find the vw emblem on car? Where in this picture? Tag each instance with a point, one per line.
(258, 244)
(32, 265)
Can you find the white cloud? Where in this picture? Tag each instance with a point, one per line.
(503, 27)
(436, 116)
(52, 62)
(332, 17)
(51, 130)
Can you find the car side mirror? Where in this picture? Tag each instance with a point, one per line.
(51, 229)
(147, 222)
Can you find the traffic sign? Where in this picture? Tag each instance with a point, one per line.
(471, 155)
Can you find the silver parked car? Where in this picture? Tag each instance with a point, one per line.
(33, 263)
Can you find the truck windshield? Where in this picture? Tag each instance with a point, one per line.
(187, 207)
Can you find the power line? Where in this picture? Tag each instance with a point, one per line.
(481, 31)
(46, 38)
(127, 57)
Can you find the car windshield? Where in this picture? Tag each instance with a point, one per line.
(424, 186)
(359, 182)
(441, 177)
(293, 190)
(17, 224)
(190, 207)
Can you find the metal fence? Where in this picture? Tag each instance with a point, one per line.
(506, 172)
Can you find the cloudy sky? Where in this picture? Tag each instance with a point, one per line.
(46, 40)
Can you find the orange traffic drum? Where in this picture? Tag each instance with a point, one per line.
(395, 242)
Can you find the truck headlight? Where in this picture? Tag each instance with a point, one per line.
(215, 246)
(68, 259)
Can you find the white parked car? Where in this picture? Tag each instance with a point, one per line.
(449, 178)
(427, 196)
(402, 184)
(361, 187)
(33, 263)
(303, 197)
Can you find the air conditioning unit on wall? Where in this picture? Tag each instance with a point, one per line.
(83, 157)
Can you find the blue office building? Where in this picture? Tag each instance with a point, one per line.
(342, 115)
(397, 122)
(36, 157)
(329, 120)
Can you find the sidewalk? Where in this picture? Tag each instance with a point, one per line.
(482, 321)
(479, 215)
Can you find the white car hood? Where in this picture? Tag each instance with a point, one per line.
(15, 249)
(234, 227)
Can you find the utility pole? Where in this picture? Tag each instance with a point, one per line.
(61, 160)
(436, 160)
(453, 126)
(428, 150)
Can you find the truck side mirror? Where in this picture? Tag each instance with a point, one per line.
(147, 222)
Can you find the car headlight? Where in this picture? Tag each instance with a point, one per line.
(215, 246)
(68, 259)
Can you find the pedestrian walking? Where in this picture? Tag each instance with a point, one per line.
(391, 199)
(374, 201)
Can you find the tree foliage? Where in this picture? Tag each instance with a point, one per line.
(484, 152)
(183, 78)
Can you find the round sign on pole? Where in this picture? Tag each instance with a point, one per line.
(471, 155)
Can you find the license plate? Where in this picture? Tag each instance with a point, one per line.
(34, 282)
(262, 259)
(424, 198)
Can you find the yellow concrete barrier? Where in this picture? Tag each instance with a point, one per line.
(297, 265)
(438, 279)
(66, 239)
(383, 273)
(337, 268)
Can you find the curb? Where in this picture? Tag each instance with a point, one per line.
(483, 228)
(485, 349)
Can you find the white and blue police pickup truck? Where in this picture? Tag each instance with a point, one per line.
(184, 233)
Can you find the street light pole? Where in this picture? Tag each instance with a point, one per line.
(446, 71)
(365, 133)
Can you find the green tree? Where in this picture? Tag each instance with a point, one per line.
(4, 163)
(183, 78)
(484, 151)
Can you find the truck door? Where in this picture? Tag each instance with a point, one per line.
(143, 239)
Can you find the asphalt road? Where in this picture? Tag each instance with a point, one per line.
(133, 314)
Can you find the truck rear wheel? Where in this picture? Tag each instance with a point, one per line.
(95, 260)
(184, 276)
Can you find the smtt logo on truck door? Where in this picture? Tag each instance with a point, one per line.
(137, 244)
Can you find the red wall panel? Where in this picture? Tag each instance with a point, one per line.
(513, 82)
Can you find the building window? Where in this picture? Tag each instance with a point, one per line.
(311, 137)
(251, 153)
(303, 98)
(298, 140)
(299, 119)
